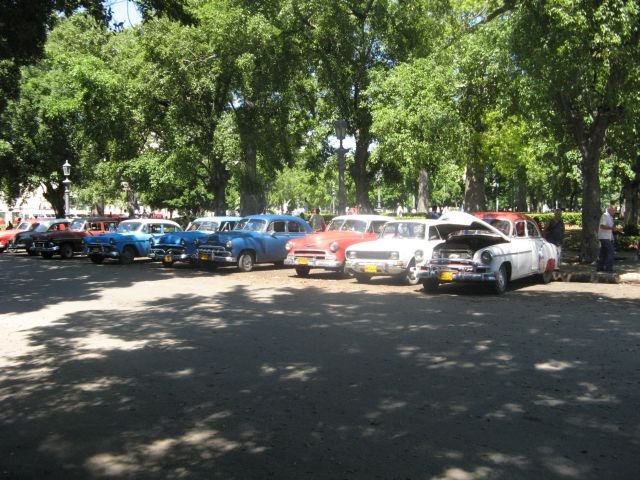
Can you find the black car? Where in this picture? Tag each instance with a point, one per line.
(25, 240)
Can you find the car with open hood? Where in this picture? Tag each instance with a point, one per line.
(254, 239)
(182, 246)
(493, 248)
(25, 240)
(326, 250)
(68, 242)
(401, 247)
(133, 238)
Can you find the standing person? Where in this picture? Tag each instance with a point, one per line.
(399, 210)
(434, 214)
(554, 233)
(317, 221)
(605, 235)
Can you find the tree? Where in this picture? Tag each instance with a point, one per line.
(582, 60)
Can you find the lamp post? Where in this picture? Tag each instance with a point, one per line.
(340, 127)
(66, 170)
(379, 182)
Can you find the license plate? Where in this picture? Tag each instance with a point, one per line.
(370, 269)
(446, 276)
(204, 257)
(302, 261)
(168, 259)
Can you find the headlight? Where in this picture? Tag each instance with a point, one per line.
(394, 255)
(183, 242)
(352, 254)
(287, 246)
(229, 244)
(419, 256)
(112, 241)
(435, 254)
(334, 247)
(486, 257)
(152, 241)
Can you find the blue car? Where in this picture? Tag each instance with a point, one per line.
(132, 239)
(255, 239)
(182, 246)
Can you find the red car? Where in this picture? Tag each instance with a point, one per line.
(326, 249)
(6, 236)
(67, 242)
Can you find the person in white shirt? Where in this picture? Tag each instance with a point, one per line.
(605, 235)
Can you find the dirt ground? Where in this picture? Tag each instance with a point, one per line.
(144, 372)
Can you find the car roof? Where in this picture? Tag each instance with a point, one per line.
(511, 216)
(365, 217)
(425, 221)
(97, 219)
(271, 216)
(222, 218)
(154, 221)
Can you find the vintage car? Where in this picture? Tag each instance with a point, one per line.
(6, 236)
(182, 246)
(255, 239)
(25, 240)
(132, 239)
(67, 242)
(326, 249)
(402, 246)
(493, 248)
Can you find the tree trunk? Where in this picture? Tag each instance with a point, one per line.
(423, 191)
(521, 200)
(475, 199)
(251, 196)
(631, 199)
(360, 175)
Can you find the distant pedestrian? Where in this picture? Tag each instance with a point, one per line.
(399, 210)
(605, 235)
(554, 233)
(433, 214)
(317, 221)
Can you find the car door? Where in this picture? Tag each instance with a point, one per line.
(522, 252)
(273, 241)
(538, 263)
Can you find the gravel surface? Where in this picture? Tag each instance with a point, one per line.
(144, 372)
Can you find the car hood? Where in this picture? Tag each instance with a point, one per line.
(175, 238)
(324, 239)
(391, 244)
(456, 221)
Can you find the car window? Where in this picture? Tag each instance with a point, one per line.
(533, 229)
(227, 226)
(277, 226)
(520, 229)
(434, 234)
(350, 225)
(78, 225)
(503, 225)
(295, 227)
(130, 227)
(376, 226)
(335, 224)
(170, 228)
(252, 225)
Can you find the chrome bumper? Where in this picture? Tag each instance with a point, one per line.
(101, 250)
(452, 275)
(298, 260)
(170, 254)
(215, 255)
(376, 267)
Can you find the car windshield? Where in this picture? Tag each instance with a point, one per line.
(503, 225)
(403, 230)
(204, 225)
(347, 225)
(127, 227)
(252, 225)
(24, 226)
(77, 226)
(42, 227)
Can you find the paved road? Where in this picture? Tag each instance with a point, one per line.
(142, 372)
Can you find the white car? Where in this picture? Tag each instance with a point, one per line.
(490, 247)
(402, 246)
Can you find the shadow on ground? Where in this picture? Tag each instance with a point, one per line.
(308, 384)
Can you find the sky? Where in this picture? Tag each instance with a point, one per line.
(124, 11)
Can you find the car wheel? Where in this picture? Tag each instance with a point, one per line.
(128, 255)
(66, 251)
(410, 277)
(31, 253)
(500, 284)
(361, 278)
(46, 255)
(303, 271)
(246, 262)
(430, 285)
(546, 277)
(97, 259)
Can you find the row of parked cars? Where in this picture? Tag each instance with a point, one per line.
(492, 247)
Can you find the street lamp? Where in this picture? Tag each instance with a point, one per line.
(379, 182)
(66, 170)
(340, 127)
